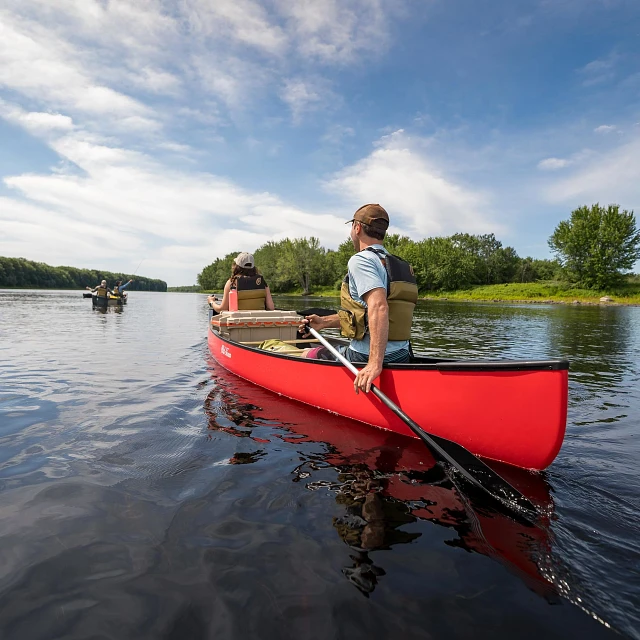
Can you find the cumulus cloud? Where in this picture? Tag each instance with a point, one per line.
(418, 196)
(124, 202)
(244, 21)
(552, 164)
(600, 70)
(36, 122)
(307, 95)
(336, 31)
(605, 128)
(612, 176)
(46, 70)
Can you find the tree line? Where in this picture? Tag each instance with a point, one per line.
(595, 248)
(22, 273)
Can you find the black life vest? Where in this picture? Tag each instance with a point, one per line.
(402, 296)
(252, 294)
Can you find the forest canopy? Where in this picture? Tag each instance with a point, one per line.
(22, 273)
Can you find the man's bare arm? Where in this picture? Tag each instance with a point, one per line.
(320, 322)
(378, 313)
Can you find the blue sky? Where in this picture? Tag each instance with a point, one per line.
(177, 131)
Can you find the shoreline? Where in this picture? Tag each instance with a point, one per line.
(588, 302)
(574, 302)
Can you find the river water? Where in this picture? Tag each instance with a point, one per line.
(147, 493)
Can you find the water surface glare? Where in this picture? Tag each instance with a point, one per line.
(145, 492)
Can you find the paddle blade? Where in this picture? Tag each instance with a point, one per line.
(468, 465)
(318, 311)
(485, 477)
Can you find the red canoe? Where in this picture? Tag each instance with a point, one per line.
(512, 411)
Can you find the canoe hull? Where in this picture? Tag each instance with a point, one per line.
(511, 412)
(108, 302)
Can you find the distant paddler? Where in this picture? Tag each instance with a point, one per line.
(101, 290)
(119, 288)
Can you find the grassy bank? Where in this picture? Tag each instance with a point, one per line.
(540, 292)
(533, 292)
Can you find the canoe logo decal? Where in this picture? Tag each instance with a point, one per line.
(225, 352)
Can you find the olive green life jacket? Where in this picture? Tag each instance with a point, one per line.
(252, 294)
(402, 296)
(101, 292)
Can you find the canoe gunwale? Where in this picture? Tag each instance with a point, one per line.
(423, 364)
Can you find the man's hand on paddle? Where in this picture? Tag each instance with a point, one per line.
(313, 321)
(366, 377)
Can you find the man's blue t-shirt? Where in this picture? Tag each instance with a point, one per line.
(366, 272)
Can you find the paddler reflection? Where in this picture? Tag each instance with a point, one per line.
(383, 482)
(372, 522)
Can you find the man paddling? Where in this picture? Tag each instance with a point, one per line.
(101, 290)
(378, 296)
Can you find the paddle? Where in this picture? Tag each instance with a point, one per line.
(316, 311)
(461, 459)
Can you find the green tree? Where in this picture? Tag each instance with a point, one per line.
(337, 263)
(597, 244)
(214, 276)
(531, 269)
(301, 260)
(268, 262)
(449, 266)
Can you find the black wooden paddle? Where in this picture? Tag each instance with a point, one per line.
(461, 459)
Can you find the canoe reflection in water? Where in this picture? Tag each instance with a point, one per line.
(383, 482)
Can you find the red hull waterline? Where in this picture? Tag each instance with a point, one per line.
(511, 411)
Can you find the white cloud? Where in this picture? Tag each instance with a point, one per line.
(127, 203)
(156, 81)
(419, 198)
(87, 55)
(337, 134)
(612, 176)
(232, 80)
(36, 122)
(337, 31)
(100, 83)
(244, 21)
(600, 70)
(552, 164)
(307, 95)
(605, 128)
(46, 70)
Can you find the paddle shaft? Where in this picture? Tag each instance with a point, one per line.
(510, 497)
(416, 428)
